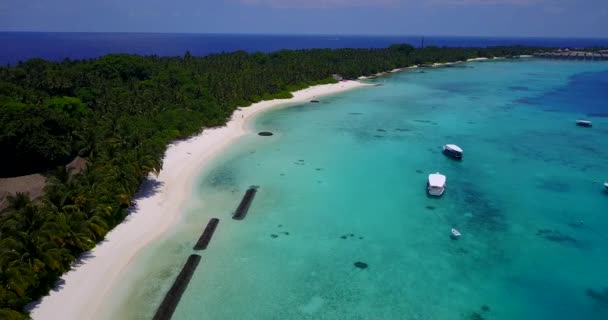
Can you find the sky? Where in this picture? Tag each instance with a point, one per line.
(499, 18)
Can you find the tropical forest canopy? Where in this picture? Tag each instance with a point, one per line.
(120, 112)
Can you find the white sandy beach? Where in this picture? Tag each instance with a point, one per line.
(83, 289)
(477, 59)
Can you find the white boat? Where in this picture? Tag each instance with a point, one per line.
(453, 151)
(583, 123)
(606, 185)
(436, 184)
(456, 233)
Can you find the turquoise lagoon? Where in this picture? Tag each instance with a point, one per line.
(343, 181)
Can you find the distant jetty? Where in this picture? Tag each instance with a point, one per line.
(574, 54)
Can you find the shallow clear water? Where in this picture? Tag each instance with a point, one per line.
(344, 181)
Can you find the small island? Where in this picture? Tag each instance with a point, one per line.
(94, 130)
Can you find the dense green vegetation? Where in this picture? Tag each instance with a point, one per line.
(120, 112)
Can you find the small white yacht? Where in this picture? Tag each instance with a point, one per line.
(453, 151)
(583, 123)
(455, 233)
(606, 185)
(436, 184)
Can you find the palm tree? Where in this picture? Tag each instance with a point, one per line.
(18, 201)
(65, 232)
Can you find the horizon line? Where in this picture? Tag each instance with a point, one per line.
(308, 34)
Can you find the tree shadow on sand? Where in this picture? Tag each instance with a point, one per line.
(149, 187)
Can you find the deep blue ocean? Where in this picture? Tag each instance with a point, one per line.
(22, 46)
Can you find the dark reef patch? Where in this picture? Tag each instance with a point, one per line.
(527, 101)
(402, 129)
(485, 214)
(554, 185)
(598, 115)
(265, 134)
(361, 265)
(350, 235)
(274, 236)
(519, 88)
(381, 130)
(355, 113)
(476, 316)
(222, 178)
(577, 225)
(430, 207)
(601, 296)
(557, 237)
(458, 87)
(461, 251)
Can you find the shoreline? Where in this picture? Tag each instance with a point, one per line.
(159, 204)
(434, 65)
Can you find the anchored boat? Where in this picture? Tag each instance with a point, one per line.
(436, 184)
(583, 123)
(453, 151)
(455, 233)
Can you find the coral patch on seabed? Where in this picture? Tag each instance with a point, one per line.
(265, 133)
(556, 236)
(600, 297)
(476, 316)
(360, 265)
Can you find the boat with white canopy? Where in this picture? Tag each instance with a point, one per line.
(453, 151)
(583, 123)
(436, 184)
